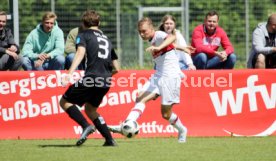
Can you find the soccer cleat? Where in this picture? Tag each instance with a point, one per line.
(87, 131)
(115, 129)
(182, 136)
(110, 143)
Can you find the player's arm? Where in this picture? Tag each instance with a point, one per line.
(77, 59)
(115, 62)
(116, 66)
(169, 40)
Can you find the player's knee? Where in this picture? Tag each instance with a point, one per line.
(140, 100)
(62, 102)
(166, 116)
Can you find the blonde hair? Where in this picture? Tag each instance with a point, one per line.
(49, 15)
(145, 20)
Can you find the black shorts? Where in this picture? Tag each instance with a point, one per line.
(270, 60)
(79, 94)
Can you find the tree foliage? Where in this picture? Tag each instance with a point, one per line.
(232, 18)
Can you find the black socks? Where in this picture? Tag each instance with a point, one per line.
(102, 128)
(77, 116)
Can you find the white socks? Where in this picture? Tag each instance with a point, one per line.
(175, 121)
(136, 111)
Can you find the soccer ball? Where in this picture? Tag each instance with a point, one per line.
(130, 128)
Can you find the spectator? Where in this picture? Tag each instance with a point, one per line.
(263, 52)
(9, 50)
(70, 48)
(44, 46)
(207, 38)
(183, 51)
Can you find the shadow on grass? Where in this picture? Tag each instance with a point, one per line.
(57, 145)
(66, 146)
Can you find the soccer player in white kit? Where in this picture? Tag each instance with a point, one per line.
(166, 81)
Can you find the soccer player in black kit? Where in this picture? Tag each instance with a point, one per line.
(90, 90)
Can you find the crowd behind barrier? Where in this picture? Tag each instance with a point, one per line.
(206, 39)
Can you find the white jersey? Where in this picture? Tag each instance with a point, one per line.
(166, 60)
(182, 56)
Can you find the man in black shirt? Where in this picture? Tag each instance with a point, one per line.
(9, 51)
(90, 90)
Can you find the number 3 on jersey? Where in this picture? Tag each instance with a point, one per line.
(103, 45)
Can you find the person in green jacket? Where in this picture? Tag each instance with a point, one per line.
(44, 46)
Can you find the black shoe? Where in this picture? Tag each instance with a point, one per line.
(110, 143)
(87, 131)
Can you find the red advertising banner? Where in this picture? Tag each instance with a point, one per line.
(213, 103)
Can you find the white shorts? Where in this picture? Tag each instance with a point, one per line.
(167, 88)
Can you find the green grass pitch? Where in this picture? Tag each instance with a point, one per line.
(143, 149)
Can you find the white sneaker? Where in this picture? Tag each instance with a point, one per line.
(115, 129)
(182, 136)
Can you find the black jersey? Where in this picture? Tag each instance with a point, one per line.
(99, 53)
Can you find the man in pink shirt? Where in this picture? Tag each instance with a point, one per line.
(207, 38)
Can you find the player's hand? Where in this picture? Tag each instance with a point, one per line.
(190, 50)
(65, 80)
(152, 49)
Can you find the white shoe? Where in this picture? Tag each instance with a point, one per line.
(182, 136)
(115, 129)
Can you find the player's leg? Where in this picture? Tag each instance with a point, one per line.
(100, 124)
(75, 114)
(96, 96)
(174, 120)
(139, 107)
(77, 94)
(170, 92)
(148, 92)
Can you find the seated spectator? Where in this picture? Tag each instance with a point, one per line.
(183, 51)
(70, 48)
(9, 50)
(263, 52)
(207, 38)
(44, 46)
